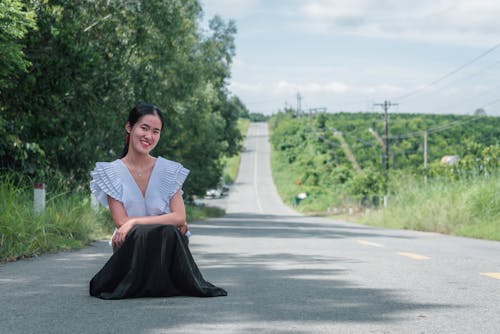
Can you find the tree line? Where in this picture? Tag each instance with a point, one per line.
(71, 71)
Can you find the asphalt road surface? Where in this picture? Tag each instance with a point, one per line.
(285, 273)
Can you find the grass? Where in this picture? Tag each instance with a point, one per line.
(195, 213)
(232, 164)
(469, 208)
(68, 222)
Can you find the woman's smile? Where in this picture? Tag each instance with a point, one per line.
(145, 143)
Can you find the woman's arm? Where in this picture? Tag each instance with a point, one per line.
(124, 223)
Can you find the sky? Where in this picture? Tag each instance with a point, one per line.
(422, 56)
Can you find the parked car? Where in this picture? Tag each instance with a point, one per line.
(213, 193)
(218, 192)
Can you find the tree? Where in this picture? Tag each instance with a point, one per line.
(479, 112)
(15, 21)
(239, 107)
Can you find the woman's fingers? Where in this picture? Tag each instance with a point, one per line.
(117, 239)
(184, 228)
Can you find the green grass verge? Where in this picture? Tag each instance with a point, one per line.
(68, 222)
(469, 208)
(232, 164)
(195, 213)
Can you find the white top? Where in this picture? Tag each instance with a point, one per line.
(114, 179)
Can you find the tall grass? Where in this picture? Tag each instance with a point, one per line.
(68, 222)
(468, 208)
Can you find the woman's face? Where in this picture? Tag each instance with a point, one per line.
(144, 135)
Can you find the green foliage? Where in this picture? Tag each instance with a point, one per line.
(258, 117)
(241, 109)
(308, 157)
(15, 21)
(91, 61)
(367, 182)
(476, 160)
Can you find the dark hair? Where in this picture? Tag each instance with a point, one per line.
(136, 113)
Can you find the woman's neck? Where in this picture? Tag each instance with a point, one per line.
(138, 159)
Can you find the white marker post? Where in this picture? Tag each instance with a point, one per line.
(94, 204)
(39, 197)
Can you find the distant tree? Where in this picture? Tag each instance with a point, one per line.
(239, 107)
(479, 112)
(258, 117)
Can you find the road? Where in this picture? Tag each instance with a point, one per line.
(284, 272)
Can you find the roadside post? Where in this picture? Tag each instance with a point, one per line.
(39, 197)
(94, 203)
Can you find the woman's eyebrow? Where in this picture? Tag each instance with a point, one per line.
(149, 126)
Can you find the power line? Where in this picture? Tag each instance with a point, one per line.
(491, 103)
(440, 128)
(449, 74)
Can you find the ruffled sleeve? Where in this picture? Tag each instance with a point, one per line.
(106, 182)
(173, 175)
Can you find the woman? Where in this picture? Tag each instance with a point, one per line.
(150, 257)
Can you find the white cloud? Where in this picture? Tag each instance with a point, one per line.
(450, 21)
(242, 87)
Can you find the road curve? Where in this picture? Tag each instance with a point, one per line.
(285, 273)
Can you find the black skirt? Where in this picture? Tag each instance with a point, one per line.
(153, 261)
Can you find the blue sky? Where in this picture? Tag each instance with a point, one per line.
(427, 56)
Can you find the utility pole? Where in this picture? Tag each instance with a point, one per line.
(386, 105)
(299, 107)
(425, 156)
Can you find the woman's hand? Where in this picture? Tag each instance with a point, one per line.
(184, 228)
(121, 233)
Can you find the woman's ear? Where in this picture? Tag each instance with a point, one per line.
(128, 128)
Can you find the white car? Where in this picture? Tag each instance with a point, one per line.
(218, 192)
(213, 193)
